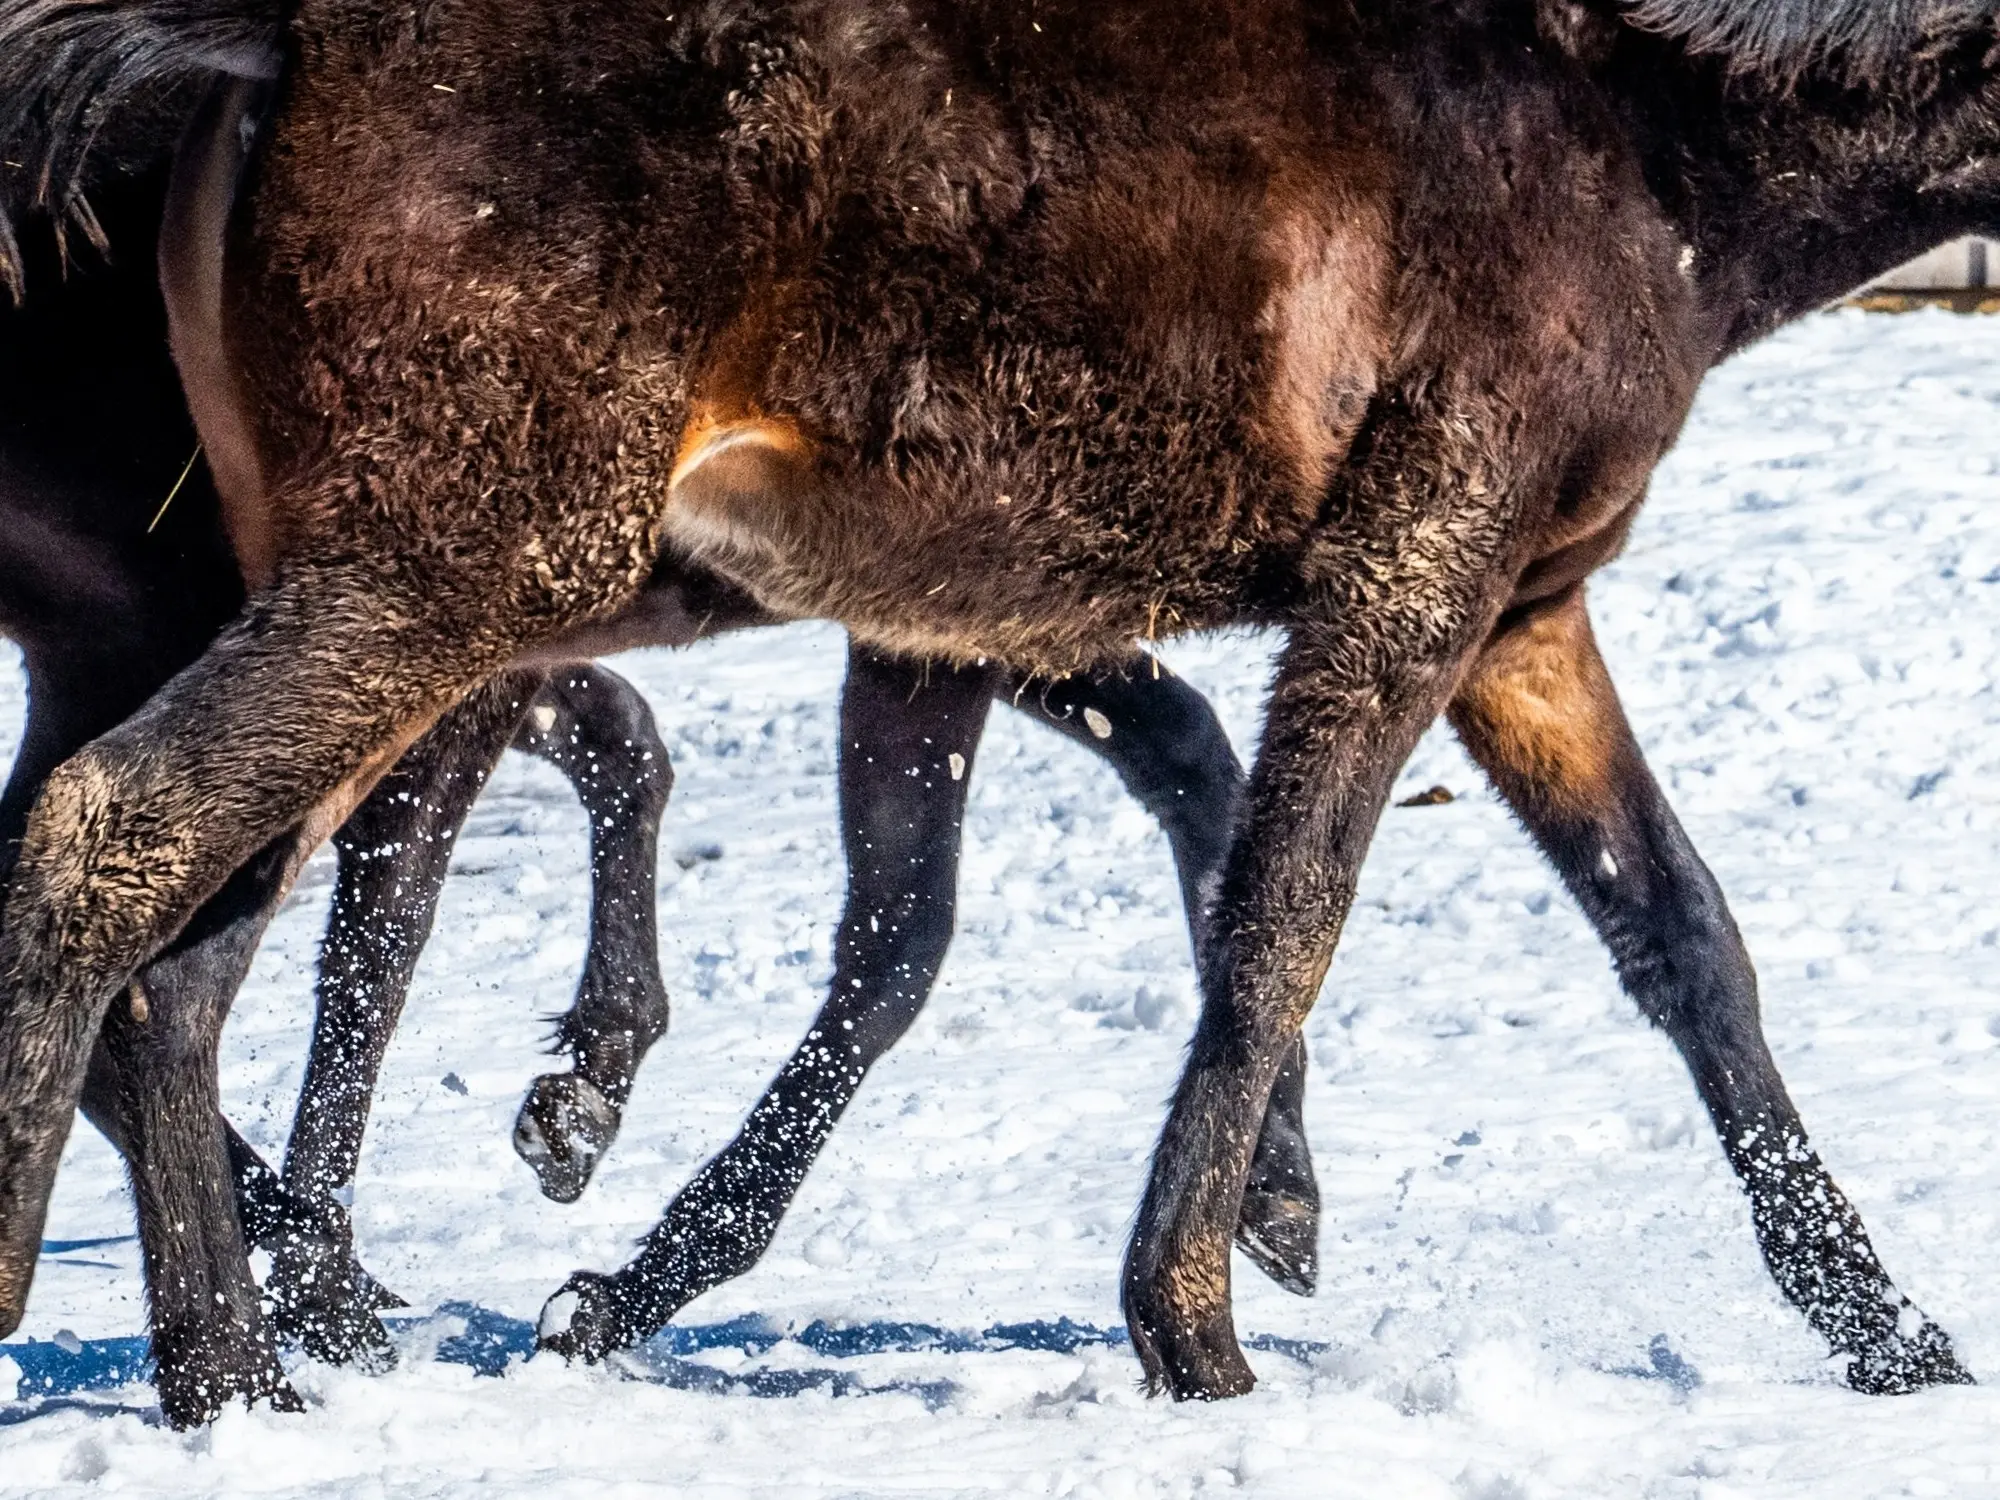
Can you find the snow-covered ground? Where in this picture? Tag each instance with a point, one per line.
(1539, 1278)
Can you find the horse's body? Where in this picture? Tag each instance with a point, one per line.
(1007, 332)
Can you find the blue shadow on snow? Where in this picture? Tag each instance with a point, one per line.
(490, 1341)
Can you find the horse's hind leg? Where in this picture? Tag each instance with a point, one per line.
(596, 728)
(1539, 714)
(908, 736)
(392, 854)
(151, 1090)
(1164, 741)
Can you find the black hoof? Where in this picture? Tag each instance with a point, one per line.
(326, 1304)
(565, 1125)
(1188, 1358)
(195, 1385)
(1280, 1234)
(337, 1334)
(589, 1319)
(1908, 1362)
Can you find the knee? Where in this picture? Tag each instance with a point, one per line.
(891, 940)
(600, 725)
(1700, 986)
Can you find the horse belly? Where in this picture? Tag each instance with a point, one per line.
(1077, 482)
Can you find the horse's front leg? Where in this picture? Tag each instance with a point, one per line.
(596, 728)
(392, 856)
(151, 1090)
(1540, 715)
(281, 726)
(1167, 746)
(907, 738)
(1356, 687)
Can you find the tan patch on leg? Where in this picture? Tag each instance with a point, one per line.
(1195, 1289)
(1538, 710)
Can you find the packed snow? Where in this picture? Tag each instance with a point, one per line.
(1538, 1274)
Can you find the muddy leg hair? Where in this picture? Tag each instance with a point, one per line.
(1539, 714)
(1165, 743)
(597, 729)
(1350, 698)
(907, 739)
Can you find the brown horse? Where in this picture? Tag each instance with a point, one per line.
(108, 593)
(1002, 330)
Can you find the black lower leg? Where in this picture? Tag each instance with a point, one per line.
(596, 729)
(1167, 746)
(1540, 715)
(907, 740)
(152, 1089)
(392, 856)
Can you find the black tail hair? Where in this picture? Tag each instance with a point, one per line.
(68, 66)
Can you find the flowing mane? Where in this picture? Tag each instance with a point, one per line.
(1784, 38)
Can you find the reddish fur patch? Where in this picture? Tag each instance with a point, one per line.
(1538, 710)
(1326, 331)
(726, 477)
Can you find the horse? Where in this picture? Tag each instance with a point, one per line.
(109, 592)
(1000, 333)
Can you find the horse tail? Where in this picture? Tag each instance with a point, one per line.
(68, 68)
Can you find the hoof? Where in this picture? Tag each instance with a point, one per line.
(566, 1123)
(326, 1305)
(194, 1388)
(1190, 1359)
(338, 1335)
(587, 1320)
(1908, 1362)
(1280, 1234)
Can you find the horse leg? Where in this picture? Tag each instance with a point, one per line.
(151, 1089)
(597, 729)
(392, 855)
(332, 1317)
(1540, 715)
(1165, 743)
(191, 1242)
(1354, 690)
(908, 735)
(284, 723)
